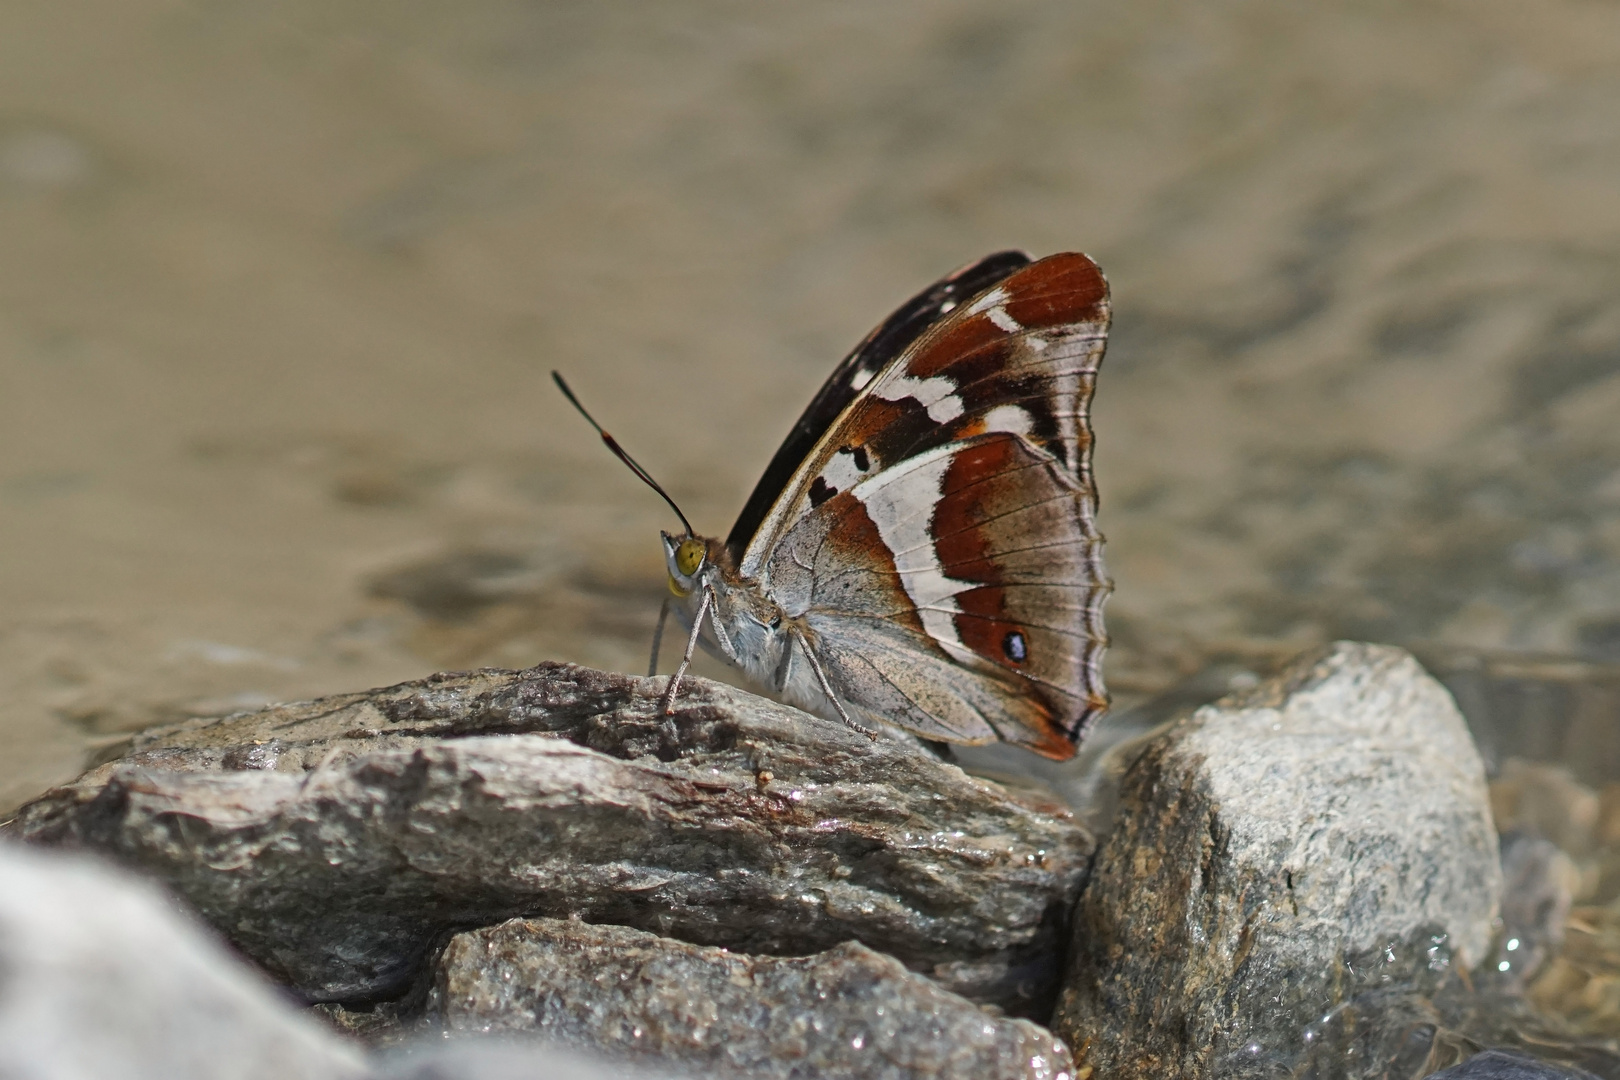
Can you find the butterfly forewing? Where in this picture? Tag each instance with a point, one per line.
(1021, 356)
(875, 352)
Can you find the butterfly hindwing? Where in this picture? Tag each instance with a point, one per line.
(964, 581)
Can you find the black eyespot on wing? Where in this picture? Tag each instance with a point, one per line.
(862, 461)
(1013, 645)
(891, 338)
(821, 491)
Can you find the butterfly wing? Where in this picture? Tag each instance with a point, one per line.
(957, 594)
(879, 348)
(940, 537)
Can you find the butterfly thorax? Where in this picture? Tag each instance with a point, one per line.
(749, 628)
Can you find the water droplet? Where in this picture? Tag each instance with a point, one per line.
(858, 1041)
(1513, 943)
(1503, 966)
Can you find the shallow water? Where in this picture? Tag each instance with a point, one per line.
(282, 286)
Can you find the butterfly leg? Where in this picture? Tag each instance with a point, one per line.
(667, 706)
(826, 688)
(658, 637)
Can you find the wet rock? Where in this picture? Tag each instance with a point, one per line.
(503, 1059)
(1581, 983)
(1410, 1016)
(1539, 882)
(847, 1012)
(100, 976)
(1409, 1013)
(1508, 1065)
(1266, 845)
(334, 841)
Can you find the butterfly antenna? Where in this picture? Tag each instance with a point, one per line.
(618, 451)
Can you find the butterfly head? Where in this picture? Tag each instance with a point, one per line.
(686, 555)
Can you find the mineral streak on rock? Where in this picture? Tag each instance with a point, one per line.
(845, 1013)
(1335, 810)
(334, 841)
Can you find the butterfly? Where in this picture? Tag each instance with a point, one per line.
(922, 551)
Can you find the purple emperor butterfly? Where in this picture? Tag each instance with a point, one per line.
(923, 551)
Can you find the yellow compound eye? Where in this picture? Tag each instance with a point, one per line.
(689, 556)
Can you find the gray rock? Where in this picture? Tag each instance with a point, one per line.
(101, 976)
(1507, 1065)
(333, 841)
(1265, 846)
(845, 1013)
(494, 1058)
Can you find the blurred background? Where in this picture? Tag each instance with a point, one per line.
(281, 285)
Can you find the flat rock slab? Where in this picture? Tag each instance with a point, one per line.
(848, 1012)
(334, 841)
(1335, 816)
